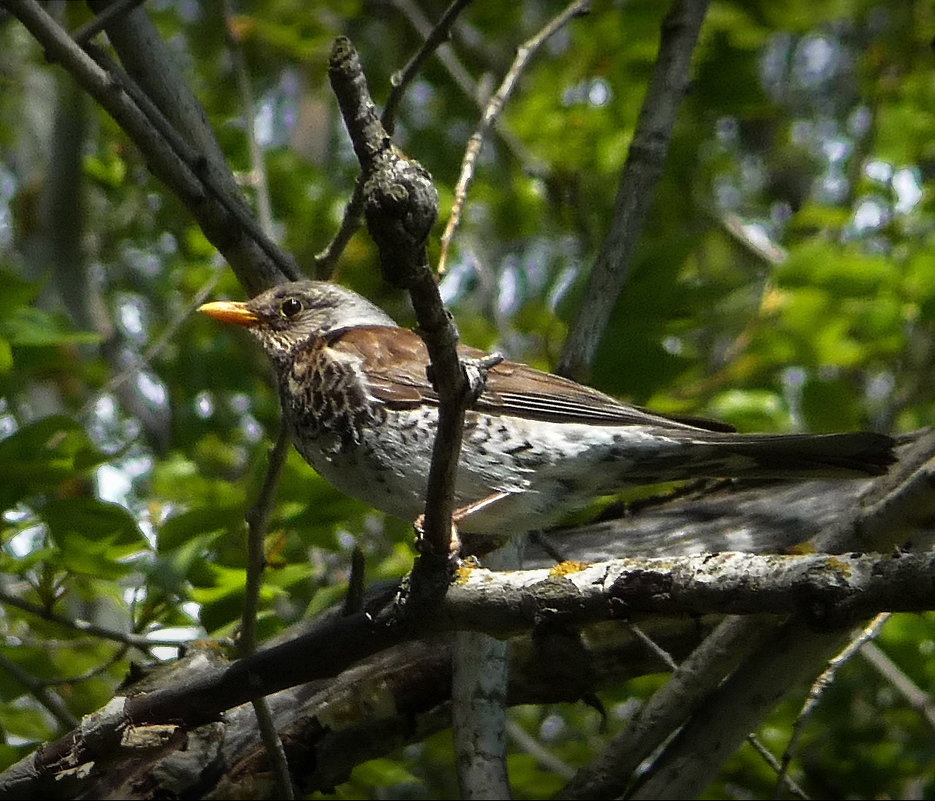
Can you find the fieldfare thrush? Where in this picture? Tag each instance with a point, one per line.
(363, 412)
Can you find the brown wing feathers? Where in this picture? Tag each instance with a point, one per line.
(395, 367)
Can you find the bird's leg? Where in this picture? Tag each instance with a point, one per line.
(460, 514)
(454, 547)
(472, 508)
(480, 544)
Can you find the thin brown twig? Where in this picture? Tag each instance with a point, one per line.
(97, 670)
(274, 748)
(916, 697)
(326, 259)
(782, 778)
(494, 106)
(156, 346)
(821, 684)
(654, 648)
(463, 80)
(354, 600)
(257, 519)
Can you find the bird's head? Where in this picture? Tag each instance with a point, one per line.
(288, 315)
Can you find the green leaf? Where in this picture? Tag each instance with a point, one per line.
(41, 455)
(181, 528)
(6, 355)
(96, 538)
(173, 567)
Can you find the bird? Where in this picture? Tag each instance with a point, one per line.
(362, 411)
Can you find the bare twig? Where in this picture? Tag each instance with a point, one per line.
(132, 640)
(821, 684)
(354, 600)
(274, 748)
(783, 777)
(523, 56)
(97, 670)
(89, 30)
(537, 751)
(463, 80)
(257, 519)
(327, 258)
(654, 648)
(437, 36)
(918, 699)
(156, 346)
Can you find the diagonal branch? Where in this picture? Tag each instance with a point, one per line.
(641, 172)
(194, 175)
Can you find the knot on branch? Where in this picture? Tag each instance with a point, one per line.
(399, 200)
(400, 206)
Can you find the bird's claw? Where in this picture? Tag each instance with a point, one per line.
(475, 373)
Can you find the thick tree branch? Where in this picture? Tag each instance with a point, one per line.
(831, 591)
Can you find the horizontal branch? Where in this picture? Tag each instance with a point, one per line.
(831, 590)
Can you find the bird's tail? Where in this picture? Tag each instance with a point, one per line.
(714, 454)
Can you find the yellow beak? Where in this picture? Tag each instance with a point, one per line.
(230, 311)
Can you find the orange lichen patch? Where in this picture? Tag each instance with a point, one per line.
(841, 565)
(463, 573)
(568, 567)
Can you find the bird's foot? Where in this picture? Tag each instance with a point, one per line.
(475, 372)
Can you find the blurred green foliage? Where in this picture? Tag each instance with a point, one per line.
(785, 281)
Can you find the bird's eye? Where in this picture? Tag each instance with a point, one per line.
(290, 307)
